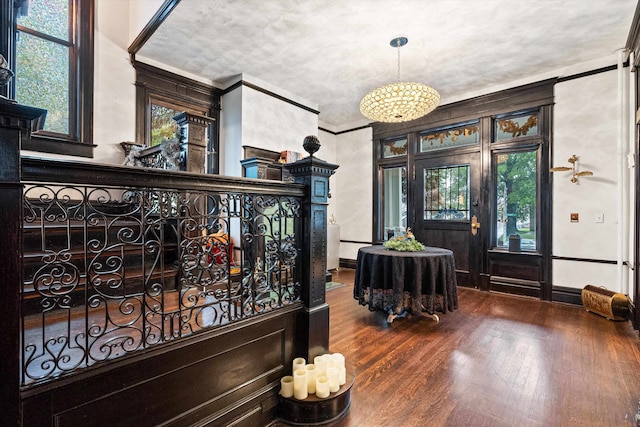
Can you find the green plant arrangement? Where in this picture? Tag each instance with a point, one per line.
(405, 243)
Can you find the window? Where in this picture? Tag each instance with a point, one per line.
(446, 193)
(516, 206)
(451, 137)
(53, 62)
(395, 147)
(161, 95)
(516, 126)
(395, 200)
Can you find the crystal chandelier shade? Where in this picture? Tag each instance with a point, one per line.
(401, 101)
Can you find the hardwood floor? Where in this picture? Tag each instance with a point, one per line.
(499, 360)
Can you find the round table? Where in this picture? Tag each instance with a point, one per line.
(406, 282)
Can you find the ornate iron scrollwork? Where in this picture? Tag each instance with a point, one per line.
(110, 271)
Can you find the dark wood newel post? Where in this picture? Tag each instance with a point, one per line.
(312, 334)
(15, 121)
(194, 140)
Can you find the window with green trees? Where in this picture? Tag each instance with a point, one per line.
(53, 63)
(516, 204)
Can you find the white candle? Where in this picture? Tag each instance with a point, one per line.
(337, 360)
(327, 357)
(300, 391)
(342, 374)
(298, 363)
(311, 378)
(334, 379)
(286, 386)
(322, 386)
(321, 365)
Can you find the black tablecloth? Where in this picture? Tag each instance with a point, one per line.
(396, 282)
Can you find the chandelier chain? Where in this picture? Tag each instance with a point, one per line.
(398, 48)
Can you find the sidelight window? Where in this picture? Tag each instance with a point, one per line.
(516, 203)
(395, 200)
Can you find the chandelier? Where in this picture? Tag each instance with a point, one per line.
(401, 101)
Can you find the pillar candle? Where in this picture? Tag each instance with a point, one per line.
(311, 378)
(321, 365)
(337, 360)
(334, 379)
(298, 363)
(322, 386)
(286, 386)
(327, 357)
(342, 374)
(300, 391)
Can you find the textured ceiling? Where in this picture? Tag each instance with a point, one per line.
(332, 52)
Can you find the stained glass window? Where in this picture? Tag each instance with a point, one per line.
(516, 126)
(397, 147)
(448, 138)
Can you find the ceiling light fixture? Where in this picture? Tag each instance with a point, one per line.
(401, 101)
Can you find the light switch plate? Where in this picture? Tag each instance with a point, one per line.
(599, 217)
(574, 217)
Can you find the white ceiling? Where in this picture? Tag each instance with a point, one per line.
(332, 52)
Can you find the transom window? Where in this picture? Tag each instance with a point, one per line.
(448, 138)
(393, 148)
(516, 126)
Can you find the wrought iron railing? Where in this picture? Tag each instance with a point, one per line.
(144, 258)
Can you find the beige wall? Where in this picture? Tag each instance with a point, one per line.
(585, 124)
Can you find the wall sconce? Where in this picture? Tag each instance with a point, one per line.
(573, 168)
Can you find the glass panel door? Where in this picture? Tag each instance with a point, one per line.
(447, 203)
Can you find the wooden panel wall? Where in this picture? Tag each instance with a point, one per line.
(230, 375)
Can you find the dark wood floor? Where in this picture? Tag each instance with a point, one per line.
(499, 360)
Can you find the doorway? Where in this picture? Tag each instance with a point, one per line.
(447, 206)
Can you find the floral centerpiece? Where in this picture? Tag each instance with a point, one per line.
(404, 243)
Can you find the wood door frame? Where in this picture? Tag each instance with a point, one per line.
(537, 96)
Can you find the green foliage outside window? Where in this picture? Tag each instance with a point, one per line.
(42, 65)
(516, 197)
(163, 126)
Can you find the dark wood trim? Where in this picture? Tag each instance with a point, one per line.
(153, 83)
(7, 43)
(566, 295)
(591, 72)
(44, 36)
(347, 263)
(514, 99)
(85, 87)
(272, 94)
(58, 146)
(156, 20)
(344, 131)
(515, 286)
(599, 261)
(356, 241)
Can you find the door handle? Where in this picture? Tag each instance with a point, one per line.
(474, 225)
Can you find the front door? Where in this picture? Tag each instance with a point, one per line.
(448, 210)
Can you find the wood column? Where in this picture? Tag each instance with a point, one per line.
(312, 334)
(14, 121)
(194, 141)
